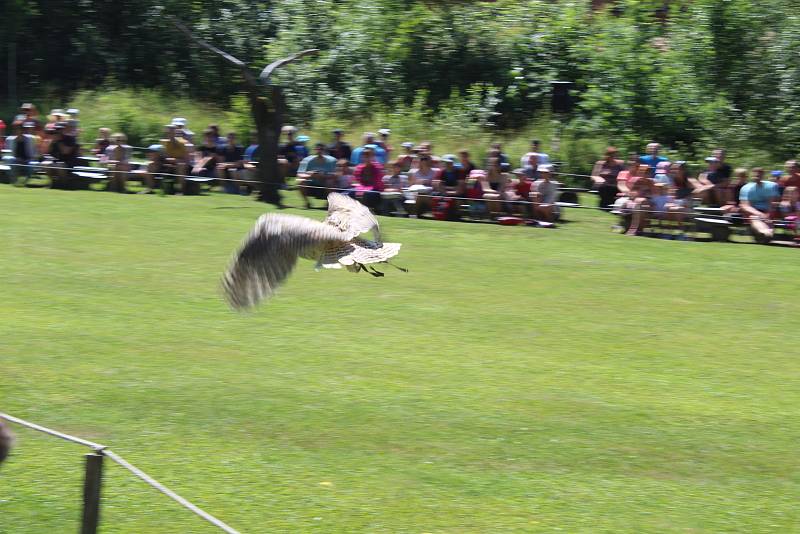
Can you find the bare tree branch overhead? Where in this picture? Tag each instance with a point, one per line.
(269, 69)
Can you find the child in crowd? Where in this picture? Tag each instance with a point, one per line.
(393, 185)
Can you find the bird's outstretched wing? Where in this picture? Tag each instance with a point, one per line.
(350, 216)
(270, 252)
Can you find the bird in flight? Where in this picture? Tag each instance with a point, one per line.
(270, 251)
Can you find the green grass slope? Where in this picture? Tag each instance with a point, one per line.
(515, 380)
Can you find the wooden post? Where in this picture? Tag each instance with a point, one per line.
(91, 493)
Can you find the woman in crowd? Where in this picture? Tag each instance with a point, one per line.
(420, 183)
(640, 192)
(604, 177)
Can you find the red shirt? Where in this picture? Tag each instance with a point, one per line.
(524, 188)
(370, 175)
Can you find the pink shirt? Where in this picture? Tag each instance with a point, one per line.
(369, 181)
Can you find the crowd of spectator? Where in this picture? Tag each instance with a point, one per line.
(411, 179)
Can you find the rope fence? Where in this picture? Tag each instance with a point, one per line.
(686, 210)
(93, 478)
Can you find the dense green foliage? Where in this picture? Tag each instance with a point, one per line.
(594, 383)
(698, 74)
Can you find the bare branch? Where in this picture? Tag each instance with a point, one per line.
(229, 58)
(269, 69)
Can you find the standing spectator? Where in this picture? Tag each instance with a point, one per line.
(543, 158)
(118, 159)
(22, 146)
(339, 148)
(218, 139)
(544, 195)
(496, 151)
(384, 134)
(792, 177)
(231, 162)
(369, 142)
(604, 177)
(651, 158)
(182, 131)
(756, 201)
(289, 151)
(316, 174)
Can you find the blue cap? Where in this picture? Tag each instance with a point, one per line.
(776, 173)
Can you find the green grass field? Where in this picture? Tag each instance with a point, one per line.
(515, 380)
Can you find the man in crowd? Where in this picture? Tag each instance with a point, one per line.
(384, 134)
(542, 158)
(292, 151)
(339, 148)
(315, 175)
(231, 161)
(756, 199)
(64, 151)
(604, 177)
(714, 185)
(651, 158)
(369, 143)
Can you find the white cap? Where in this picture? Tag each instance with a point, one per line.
(385, 131)
(179, 121)
(545, 168)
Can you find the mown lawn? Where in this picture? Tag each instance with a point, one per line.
(515, 380)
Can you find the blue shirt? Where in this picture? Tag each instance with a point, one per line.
(312, 163)
(759, 195)
(652, 161)
(380, 155)
(250, 153)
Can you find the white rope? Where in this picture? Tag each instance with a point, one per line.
(101, 449)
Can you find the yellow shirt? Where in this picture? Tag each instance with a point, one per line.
(176, 148)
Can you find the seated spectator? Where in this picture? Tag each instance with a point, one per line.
(494, 185)
(792, 176)
(31, 114)
(339, 148)
(64, 152)
(450, 182)
(662, 173)
(2, 134)
(788, 210)
(639, 191)
(713, 187)
(292, 151)
(176, 155)
(23, 152)
(465, 164)
(756, 200)
(651, 158)
(206, 156)
(421, 182)
(316, 174)
(724, 170)
(343, 178)
(231, 162)
(155, 165)
(542, 158)
(379, 154)
(544, 195)
(393, 186)
(474, 184)
(740, 177)
(102, 143)
(604, 177)
(519, 193)
(118, 158)
(405, 159)
(368, 179)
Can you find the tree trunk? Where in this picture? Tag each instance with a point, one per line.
(268, 115)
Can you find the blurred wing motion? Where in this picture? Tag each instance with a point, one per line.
(270, 251)
(350, 216)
